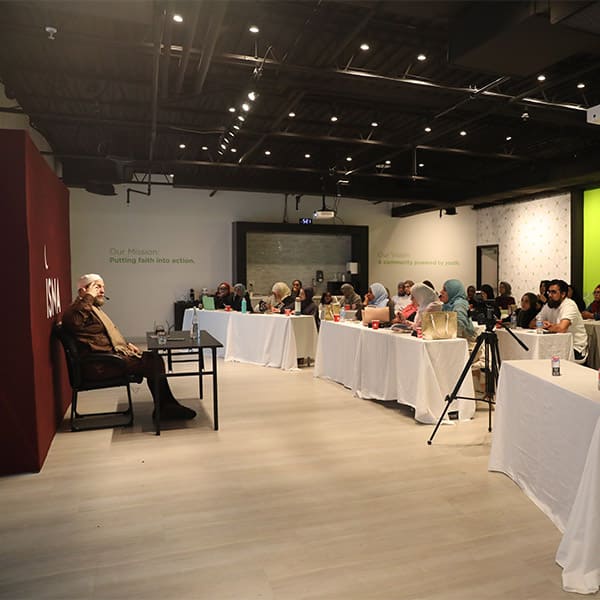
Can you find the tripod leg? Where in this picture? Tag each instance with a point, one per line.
(452, 396)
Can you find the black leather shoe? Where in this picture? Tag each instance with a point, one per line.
(175, 412)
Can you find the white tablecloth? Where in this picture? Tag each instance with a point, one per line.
(253, 334)
(547, 439)
(215, 322)
(381, 365)
(593, 330)
(540, 345)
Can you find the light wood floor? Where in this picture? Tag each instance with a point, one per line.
(305, 492)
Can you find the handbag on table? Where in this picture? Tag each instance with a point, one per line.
(439, 325)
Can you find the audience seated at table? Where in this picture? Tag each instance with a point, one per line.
(328, 306)
(526, 312)
(454, 297)
(239, 293)
(377, 296)
(560, 315)
(352, 299)
(296, 287)
(504, 299)
(471, 295)
(576, 297)
(307, 304)
(426, 299)
(542, 297)
(281, 297)
(401, 299)
(593, 310)
(223, 295)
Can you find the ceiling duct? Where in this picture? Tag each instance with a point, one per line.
(513, 38)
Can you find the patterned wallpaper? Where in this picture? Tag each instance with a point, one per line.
(534, 239)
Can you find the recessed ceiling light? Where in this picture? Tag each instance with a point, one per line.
(508, 138)
(253, 29)
(427, 129)
(364, 47)
(541, 78)
(252, 96)
(240, 118)
(205, 148)
(267, 153)
(223, 146)
(245, 107)
(231, 133)
(421, 57)
(234, 150)
(374, 124)
(580, 86)
(421, 165)
(333, 119)
(291, 115)
(232, 109)
(349, 158)
(226, 140)
(177, 18)
(172, 175)
(463, 133)
(236, 127)
(182, 146)
(307, 155)
(388, 162)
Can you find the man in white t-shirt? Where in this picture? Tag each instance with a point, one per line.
(561, 315)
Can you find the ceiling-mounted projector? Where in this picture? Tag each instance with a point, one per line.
(324, 213)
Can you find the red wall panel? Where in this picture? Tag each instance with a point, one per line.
(34, 390)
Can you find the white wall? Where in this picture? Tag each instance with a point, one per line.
(534, 239)
(187, 224)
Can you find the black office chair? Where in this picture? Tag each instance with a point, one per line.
(76, 367)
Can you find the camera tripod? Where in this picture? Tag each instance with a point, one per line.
(489, 340)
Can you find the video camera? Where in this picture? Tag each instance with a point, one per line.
(484, 311)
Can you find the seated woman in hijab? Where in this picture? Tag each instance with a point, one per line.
(224, 296)
(239, 293)
(378, 297)
(307, 304)
(281, 298)
(504, 298)
(454, 297)
(326, 305)
(350, 297)
(426, 300)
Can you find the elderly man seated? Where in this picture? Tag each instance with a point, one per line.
(560, 315)
(96, 333)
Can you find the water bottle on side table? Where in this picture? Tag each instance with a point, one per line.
(244, 306)
(195, 328)
(539, 325)
(297, 307)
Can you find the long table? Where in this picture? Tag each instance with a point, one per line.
(547, 440)
(540, 345)
(271, 340)
(381, 365)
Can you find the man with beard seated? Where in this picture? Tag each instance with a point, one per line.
(96, 333)
(561, 315)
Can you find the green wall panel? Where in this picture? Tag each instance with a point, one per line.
(591, 243)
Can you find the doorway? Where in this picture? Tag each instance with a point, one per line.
(487, 266)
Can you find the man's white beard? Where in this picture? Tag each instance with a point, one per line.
(99, 301)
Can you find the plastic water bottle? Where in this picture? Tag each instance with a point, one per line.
(244, 305)
(297, 307)
(556, 365)
(195, 327)
(342, 313)
(539, 324)
(513, 320)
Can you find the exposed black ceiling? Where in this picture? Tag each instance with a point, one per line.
(122, 83)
